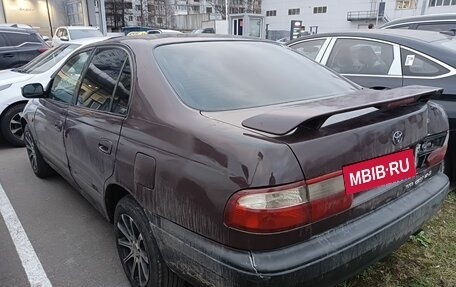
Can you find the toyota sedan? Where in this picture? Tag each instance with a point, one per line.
(224, 162)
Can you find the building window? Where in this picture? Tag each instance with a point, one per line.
(128, 5)
(405, 4)
(434, 3)
(138, 7)
(320, 10)
(130, 18)
(296, 11)
(159, 20)
(209, 10)
(271, 13)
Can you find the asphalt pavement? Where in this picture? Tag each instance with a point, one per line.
(73, 242)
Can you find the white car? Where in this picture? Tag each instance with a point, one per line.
(39, 70)
(71, 33)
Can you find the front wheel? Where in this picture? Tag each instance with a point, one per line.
(11, 126)
(39, 166)
(138, 251)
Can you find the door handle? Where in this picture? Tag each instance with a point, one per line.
(58, 125)
(105, 146)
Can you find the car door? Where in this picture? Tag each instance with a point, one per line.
(49, 120)
(368, 62)
(94, 122)
(313, 49)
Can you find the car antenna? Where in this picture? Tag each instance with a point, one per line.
(451, 32)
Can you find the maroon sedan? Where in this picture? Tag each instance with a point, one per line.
(237, 162)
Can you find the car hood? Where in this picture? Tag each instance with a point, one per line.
(10, 77)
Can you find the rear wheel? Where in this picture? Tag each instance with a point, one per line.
(39, 166)
(11, 126)
(138, 250)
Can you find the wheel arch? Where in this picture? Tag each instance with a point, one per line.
(12, 105)
(113, 194)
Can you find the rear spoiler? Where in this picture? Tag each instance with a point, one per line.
(313, 114)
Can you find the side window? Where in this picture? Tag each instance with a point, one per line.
(2, 41)
(58, 33)
(63, 33)
(16, 39)
(66, 80)
(417, 65)
(100, 79)
(354, 56)
(404, 26)
(436, 26)
(309, 49)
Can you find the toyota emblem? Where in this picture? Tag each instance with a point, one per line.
(397, 138)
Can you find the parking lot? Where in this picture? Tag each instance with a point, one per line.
(73, 242)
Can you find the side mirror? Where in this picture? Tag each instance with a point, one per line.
(33, 91)
(64, 38)
(45, 38)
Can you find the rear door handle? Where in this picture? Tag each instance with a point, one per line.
(105, 146)
(58, 125)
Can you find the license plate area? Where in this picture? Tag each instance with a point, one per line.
(379, 171)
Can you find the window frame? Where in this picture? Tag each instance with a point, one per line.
(451, 70)
(395, 70)
(83, 73)
(322, 50)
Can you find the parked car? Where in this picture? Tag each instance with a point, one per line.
(71, 33)
(204, 31)
(38, 70)
(386, 59)
(437, 22)
(223, 178)
(18, 46)
(25, 26)
(154, 31)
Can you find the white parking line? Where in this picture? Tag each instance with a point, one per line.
(32, 265)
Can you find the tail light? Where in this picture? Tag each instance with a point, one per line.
(432, 150)
(276, 209)
(438, 154)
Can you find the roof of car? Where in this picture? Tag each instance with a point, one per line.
(14, 29)
(79, 27)
(395, 35)
(421, 18)
(159, 39)
(87, 41)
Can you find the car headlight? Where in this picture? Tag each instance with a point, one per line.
(4, 87)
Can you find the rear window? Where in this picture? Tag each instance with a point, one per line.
(217, 76)
(80, 34)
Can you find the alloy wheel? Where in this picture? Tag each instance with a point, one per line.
(30, 146)
(132, 250)
(15, 126)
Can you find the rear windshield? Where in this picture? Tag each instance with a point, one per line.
(48, 59)
(80, 34)
(217, 76)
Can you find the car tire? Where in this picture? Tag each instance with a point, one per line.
(11, 127)
(39, 165)
(136, 246)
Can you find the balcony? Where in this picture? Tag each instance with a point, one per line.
(362, 15)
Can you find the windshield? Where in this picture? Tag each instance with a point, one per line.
(217, 76)
(84, 33)
(48, 59)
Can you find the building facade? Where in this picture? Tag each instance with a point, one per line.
(319, 16)
(46, 15)
(174, 14)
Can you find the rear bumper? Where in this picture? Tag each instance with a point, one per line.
(323, 260)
